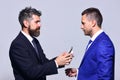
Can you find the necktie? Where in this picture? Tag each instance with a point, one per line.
(90, 41)
(35, 46)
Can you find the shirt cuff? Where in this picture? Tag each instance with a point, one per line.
(56, 64)
(77, 73)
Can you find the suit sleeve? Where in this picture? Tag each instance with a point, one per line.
(105, 58)
(22, 62)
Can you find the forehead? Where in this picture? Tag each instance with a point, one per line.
(35, 17)
(84, 17)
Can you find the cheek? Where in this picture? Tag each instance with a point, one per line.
(33, 26)
(87, 26)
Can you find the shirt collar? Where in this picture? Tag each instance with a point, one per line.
(96, 34)
(27, 36)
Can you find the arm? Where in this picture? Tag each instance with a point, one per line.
(25, 62)
(105, 58)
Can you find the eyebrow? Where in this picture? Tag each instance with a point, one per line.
(37, 21)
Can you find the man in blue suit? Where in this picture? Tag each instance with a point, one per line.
(98, 61)
(27, 57)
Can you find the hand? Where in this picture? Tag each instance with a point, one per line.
(64, 59)
(71, 72)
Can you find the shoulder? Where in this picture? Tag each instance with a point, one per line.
(103, 41)
(20, 40)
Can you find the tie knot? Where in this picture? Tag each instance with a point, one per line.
(33, 41)
(89, 42)
(35, 45)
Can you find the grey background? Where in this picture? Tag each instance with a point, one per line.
(60, 30)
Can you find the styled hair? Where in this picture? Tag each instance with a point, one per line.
(26, 14)
(94, 14)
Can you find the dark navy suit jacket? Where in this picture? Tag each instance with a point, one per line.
(25, 62)
(98, 61)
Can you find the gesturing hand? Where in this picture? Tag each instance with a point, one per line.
(64, 59)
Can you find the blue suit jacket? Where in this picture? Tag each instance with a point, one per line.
(98, 61)
(25, 62)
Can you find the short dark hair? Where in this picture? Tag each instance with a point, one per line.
(27, 14)
(95, 14)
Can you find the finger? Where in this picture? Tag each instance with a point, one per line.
(70, 75)
(67, 55)
(68, 60)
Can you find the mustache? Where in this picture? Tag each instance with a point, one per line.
(38, 28)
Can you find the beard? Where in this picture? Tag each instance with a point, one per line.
(34, 32)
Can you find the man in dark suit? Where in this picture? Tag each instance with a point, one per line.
(27, 57)
(98, 61)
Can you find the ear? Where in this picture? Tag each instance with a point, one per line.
(26, 23)
(93, 23)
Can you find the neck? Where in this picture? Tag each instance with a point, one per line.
(94, 31)
(25, 30)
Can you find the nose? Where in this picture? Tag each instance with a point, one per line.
(39, 24)
(81, 26)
